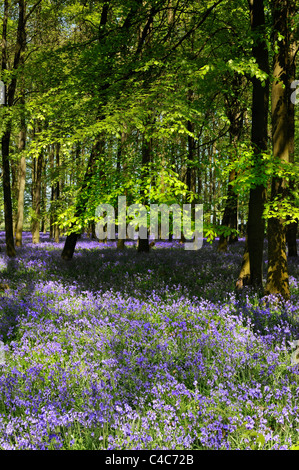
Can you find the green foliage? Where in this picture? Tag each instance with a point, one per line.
(139, 76)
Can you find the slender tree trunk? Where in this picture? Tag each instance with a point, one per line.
(9, 239)
(191, 171)
(44, 198)
(260, 106)
(121, 241)
(277, 279)
(37, 166)
(22, 177)
(14, 170)
(230, 214)
(143, 244)
(52, 201)
(191, 164)
(57, 193)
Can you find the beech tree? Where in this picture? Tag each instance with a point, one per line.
(277, 278)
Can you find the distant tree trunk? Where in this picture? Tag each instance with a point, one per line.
(57, 192)
(199, 175)
(121, 241)
(37, 166)
(143, 244)
(230, 214)
(52, 201)
(22, 177)
(277, 278)
(44, 198)
(191, 171)
(234, 111)
(259, 135)
(191, 164)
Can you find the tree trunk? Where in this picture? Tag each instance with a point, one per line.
(18, 50)
(121, 143)
(44, 198)
(57, 193)
(9, 239)
(37, 166)
(22, 177)
(291, 229)
(71, 239)
(191, 171)
(259, 135)
(14, 170)
(277, 279)
(52, 201)
(143, 244)
(244, 276)
(230, 215)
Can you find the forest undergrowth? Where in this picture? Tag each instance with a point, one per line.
(124, 350)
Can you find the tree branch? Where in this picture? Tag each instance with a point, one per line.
(31, 11)
(207, 13)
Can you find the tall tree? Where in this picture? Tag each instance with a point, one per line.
(291, 229)
(37, 167)
(71, 239)
(143, 244)
(259, 137)
(16, 61)
(277, 278)
(81, 205)
(5, 141)
(22, 173)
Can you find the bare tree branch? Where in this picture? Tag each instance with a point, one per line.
(32, 10)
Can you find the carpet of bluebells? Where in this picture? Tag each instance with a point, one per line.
(123, 350)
